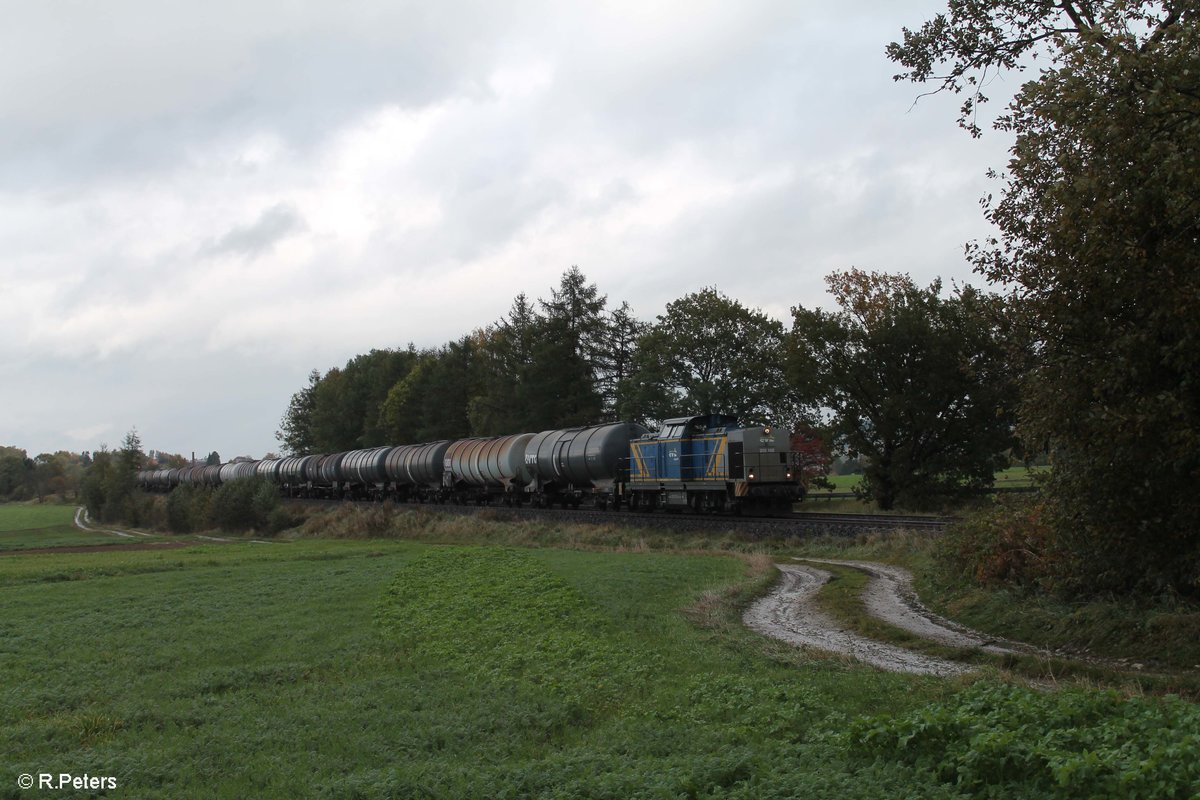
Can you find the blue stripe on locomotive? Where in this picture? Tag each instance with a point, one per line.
(687, 449)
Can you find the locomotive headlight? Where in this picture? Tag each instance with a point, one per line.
(750, 475)
(767, 431)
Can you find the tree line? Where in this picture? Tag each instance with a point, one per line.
(57, 474)
(1097, 252)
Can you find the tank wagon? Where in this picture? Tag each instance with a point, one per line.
(571, 465)
(706, 463)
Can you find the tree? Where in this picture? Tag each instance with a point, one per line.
(1099, 242)
(709, 354)
(915, 382)
(537, 370)
(431, 402)
(213, 459)
(614, 357)
(16, 470)
(109, 483)
(296, 428)
(96, 481)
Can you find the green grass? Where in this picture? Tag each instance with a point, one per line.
(1018, 477)
(398, 668)
(27, 516)
(376, 669)
(1011, 478)
(24, 526)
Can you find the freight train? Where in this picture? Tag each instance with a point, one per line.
(707, 463)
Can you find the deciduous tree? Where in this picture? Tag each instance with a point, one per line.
(1099, 244)
(916, 382)
(709, 354)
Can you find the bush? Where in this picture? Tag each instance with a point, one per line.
(243, 504)
(1001, 741)
(180, 506)
(1008, 544)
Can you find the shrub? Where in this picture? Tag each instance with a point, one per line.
(180, 504)
(1001, 741)
(243, 504)
(1007, 544)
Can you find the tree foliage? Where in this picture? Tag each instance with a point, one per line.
(109, 482)
(709, 354)
(915, 381)
(1099, 242)
(563, 361)
(553, 362)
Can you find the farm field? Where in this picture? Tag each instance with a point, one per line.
(1013, 477)
(384, 668)
(818, 500)
(24, 526)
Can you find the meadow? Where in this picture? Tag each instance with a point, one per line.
(26, 525)
(371, 668)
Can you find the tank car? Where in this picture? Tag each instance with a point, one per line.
(484, 469)
(571, 465)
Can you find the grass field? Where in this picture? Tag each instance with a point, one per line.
(27, 516)
(383, 668)
(24, 526)
(352, 669)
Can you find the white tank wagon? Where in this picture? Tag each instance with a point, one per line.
(327, 476)
(485, 467)
(294, 474)
(268, 468)
(238, 470)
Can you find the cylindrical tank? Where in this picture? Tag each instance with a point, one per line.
(293, 469)
(503, 460)
(588, 456)
(365, 466)
(395, 464)
(188, 475)
(210, 475)
(457, 461)
(416, 464)
(329, 471)
(427, 463)
(269, 468)
(236, 470)
(312, 468)
(496, 461)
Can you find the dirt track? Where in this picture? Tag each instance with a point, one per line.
(890, 596)
(790, 613)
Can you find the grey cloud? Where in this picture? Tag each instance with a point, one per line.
(273, 225)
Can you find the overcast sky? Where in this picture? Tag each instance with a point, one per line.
(201, 202)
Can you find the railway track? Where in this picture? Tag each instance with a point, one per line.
(800, 523)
